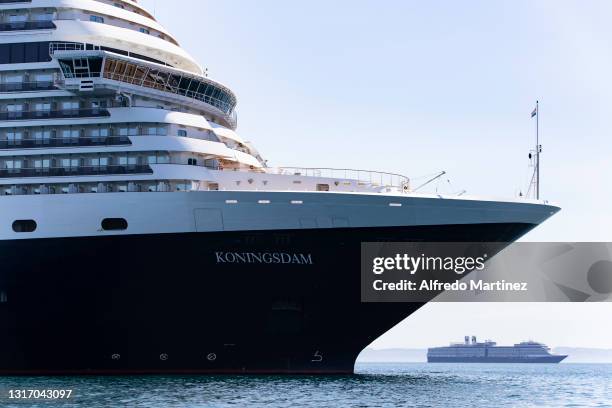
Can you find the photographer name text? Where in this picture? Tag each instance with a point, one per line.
(435, 285)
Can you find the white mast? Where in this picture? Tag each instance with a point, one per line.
(538, 148)
(535, 178)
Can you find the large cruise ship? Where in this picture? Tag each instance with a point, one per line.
(139, 233)
(489, 352)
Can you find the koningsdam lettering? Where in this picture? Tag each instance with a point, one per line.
(263, 258)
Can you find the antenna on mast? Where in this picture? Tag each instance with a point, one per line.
(534, 155)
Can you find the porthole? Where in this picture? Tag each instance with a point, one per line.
(24, 226)
(114, 224)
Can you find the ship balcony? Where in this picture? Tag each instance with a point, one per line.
(76, 171)
(27, 86)
(42, 143)
(26, 25)
(54, 114)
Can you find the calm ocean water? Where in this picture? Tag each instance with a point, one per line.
(375, 385)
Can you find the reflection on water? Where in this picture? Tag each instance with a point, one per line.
(469, 385)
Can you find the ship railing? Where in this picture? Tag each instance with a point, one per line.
(75, 75)
(75, 171)
(54, 114)
(65, 46)
(95, 170)
(225, 108)
(369, 177)
(79, 141)
(75, 141)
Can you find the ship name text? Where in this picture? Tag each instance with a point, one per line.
(263, 258)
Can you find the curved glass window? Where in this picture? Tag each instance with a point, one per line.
(155, 78)
(85, 67)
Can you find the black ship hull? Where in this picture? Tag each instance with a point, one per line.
(195, 303)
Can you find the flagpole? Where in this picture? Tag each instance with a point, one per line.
(537, 151)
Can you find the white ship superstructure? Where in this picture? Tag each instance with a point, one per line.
(113, 137)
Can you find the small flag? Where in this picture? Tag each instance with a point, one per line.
(535, 112)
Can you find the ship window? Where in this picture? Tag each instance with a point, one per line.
(14, 111)
(156, 131)
(70, 105)
(67, 68)
(44, 17)
(70, 134)
(182, 132)
(17, 18)
(42, 136)
(211, 163)
(15, 53)
(114, 224)
(31, 52)
(183, 186)
(24, 226)
(322, 187)
(41, 164)
(42, 106)
(44, 77)
(100, 132)
(16, 78)
(14, 137)
(163, 159)
(96, 19)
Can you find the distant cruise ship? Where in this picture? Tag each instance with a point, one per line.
(140, 233)
(489, 352)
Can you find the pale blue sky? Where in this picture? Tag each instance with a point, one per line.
(416, 87)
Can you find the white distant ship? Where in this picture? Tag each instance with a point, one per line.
(489, 352)
(139, 233)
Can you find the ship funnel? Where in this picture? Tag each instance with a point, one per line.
(467, 340)
(473, 339)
